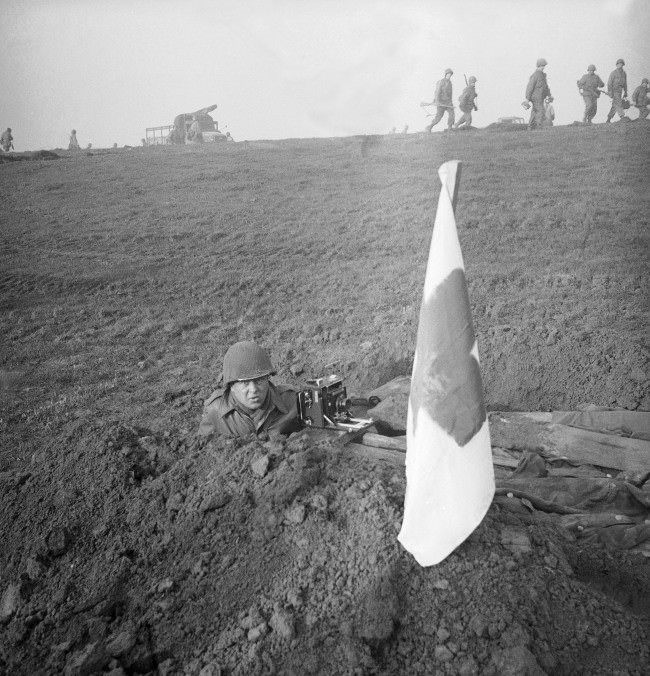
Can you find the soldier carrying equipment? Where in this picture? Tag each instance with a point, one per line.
(536, 91)
(467, 103)
(640, 98)
(442, 99)
(589, 87)
(617, 89)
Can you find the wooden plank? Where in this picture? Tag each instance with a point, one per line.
(524, 432)
(390, 456)
(635, 423)
(380, 441)
(500, 456)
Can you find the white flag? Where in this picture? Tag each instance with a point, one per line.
(449, 471)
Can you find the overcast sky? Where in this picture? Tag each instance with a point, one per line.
(294, 68)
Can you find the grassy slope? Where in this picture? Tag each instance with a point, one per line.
(126, 274)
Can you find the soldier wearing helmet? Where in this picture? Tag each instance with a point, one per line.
(73, 144)
(617, 89)
(467, 103)
(443, 100)
(640, 98)
(536, 91)
(249, 402)
(589, 87)
(7, 140)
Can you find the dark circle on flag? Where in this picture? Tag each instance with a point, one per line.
(448, 379)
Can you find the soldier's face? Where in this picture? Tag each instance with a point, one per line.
(251, 393)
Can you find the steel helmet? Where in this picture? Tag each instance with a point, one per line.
(542, 62)
(644, 81)
(621, 62)
(471, 79)
(246, 360)
(449, 71)
(591, 67)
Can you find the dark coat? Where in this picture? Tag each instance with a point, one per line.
(443, 95)
(589, 83)
(537, 86)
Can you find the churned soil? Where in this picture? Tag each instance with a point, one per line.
(129, 545)
(281, 557)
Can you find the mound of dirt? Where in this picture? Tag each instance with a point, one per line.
(194, 556)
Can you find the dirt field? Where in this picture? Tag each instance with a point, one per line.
(125, 274)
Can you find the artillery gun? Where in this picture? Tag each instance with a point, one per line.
(196, 127)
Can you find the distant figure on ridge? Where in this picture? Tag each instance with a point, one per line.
(443, 100)
(467, 103)
(73, 144)
(640, 98)
(617, 89)
(536, 91)
(7, 140)
(589, 86)
(549, 112)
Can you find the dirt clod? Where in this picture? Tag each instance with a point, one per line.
(10, 602)
(57, 541)
(516, 661)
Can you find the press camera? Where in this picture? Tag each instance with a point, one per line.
(324, 403)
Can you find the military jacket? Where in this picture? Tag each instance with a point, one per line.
(443, 95)
(589, 83)
(466, 99)
(222, 415)
(617, 82)
(537, 86)
(640, 96)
